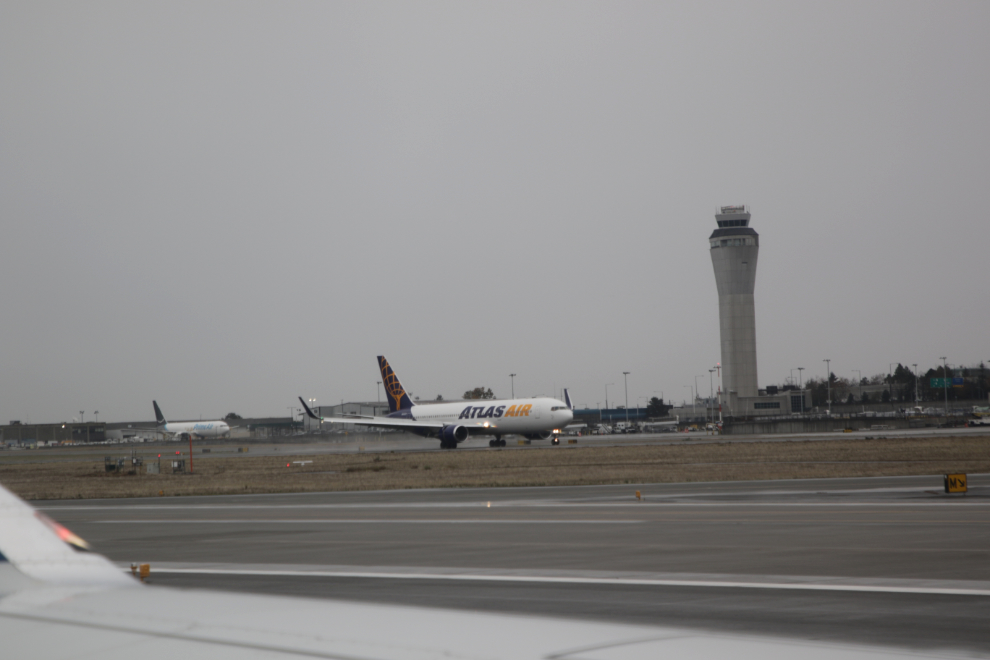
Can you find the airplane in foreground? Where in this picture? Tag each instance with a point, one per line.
(539, 418)
(59, 599)
(213, 429)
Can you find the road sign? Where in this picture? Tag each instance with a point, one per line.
(955, 483)
(952, 382)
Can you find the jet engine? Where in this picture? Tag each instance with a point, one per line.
(451, 435)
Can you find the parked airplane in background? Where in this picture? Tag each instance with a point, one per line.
(539, 418)
(214, 429)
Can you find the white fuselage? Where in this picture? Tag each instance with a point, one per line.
(497, 417)
(214, 429)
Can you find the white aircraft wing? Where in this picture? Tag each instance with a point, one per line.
(384, 422)
(57, 601)
(391, 422)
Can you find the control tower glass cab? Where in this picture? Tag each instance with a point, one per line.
(734, 247)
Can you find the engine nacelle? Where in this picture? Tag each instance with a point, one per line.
(539, 435)
(453, 434)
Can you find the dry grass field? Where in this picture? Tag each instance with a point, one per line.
(531, 467)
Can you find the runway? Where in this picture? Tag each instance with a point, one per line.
(404, 442)
(885, 560)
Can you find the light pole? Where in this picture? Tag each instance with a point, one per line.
(890, 383)
(82, 416)
(379, 390)
(312, 406)
(859, 381)
(828, 383)
(513, 377)
(711, 394)
(696, 389)
(718, 370)
(945, 386)
(801, 386)
(692, 396)
(625, 379)
(96, 415)
(915, 365)
(606, 394)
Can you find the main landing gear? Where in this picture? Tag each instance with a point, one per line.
(497, 442)
(444, 444)
(555, 440)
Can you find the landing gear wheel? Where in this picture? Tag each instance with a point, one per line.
(501, 443)
(555, 440)
(493, 443)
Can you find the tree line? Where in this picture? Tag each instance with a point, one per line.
(900, 386)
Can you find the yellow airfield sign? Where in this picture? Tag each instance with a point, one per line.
(955, 483)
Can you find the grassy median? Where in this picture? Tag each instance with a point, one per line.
(724, 461)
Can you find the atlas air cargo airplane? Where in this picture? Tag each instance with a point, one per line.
(539, 418)
(213, 429)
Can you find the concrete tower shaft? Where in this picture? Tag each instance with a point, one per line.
(734, 247)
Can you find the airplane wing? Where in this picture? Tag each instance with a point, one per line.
(390, 422)
(400, 424)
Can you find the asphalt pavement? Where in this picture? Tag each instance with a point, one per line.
(891, 560)
(304, 445)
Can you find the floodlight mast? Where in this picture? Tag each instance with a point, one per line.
(626, 381)
(945, 386)
(828, 383)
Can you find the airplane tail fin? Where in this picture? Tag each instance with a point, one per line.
(159, 417)
(567, 399)
(309, 412)
(397, 397)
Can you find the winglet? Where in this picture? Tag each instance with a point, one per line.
(159, 417)
(567, 399)
(397, 397)
(306, 408)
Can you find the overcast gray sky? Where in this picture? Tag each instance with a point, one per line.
(223, 205)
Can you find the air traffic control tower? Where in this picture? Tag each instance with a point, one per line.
(734, 248)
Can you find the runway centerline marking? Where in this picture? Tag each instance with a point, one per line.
(476, 575)
(373, 522)
(657, 503)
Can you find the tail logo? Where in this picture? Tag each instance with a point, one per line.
(393, 388)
